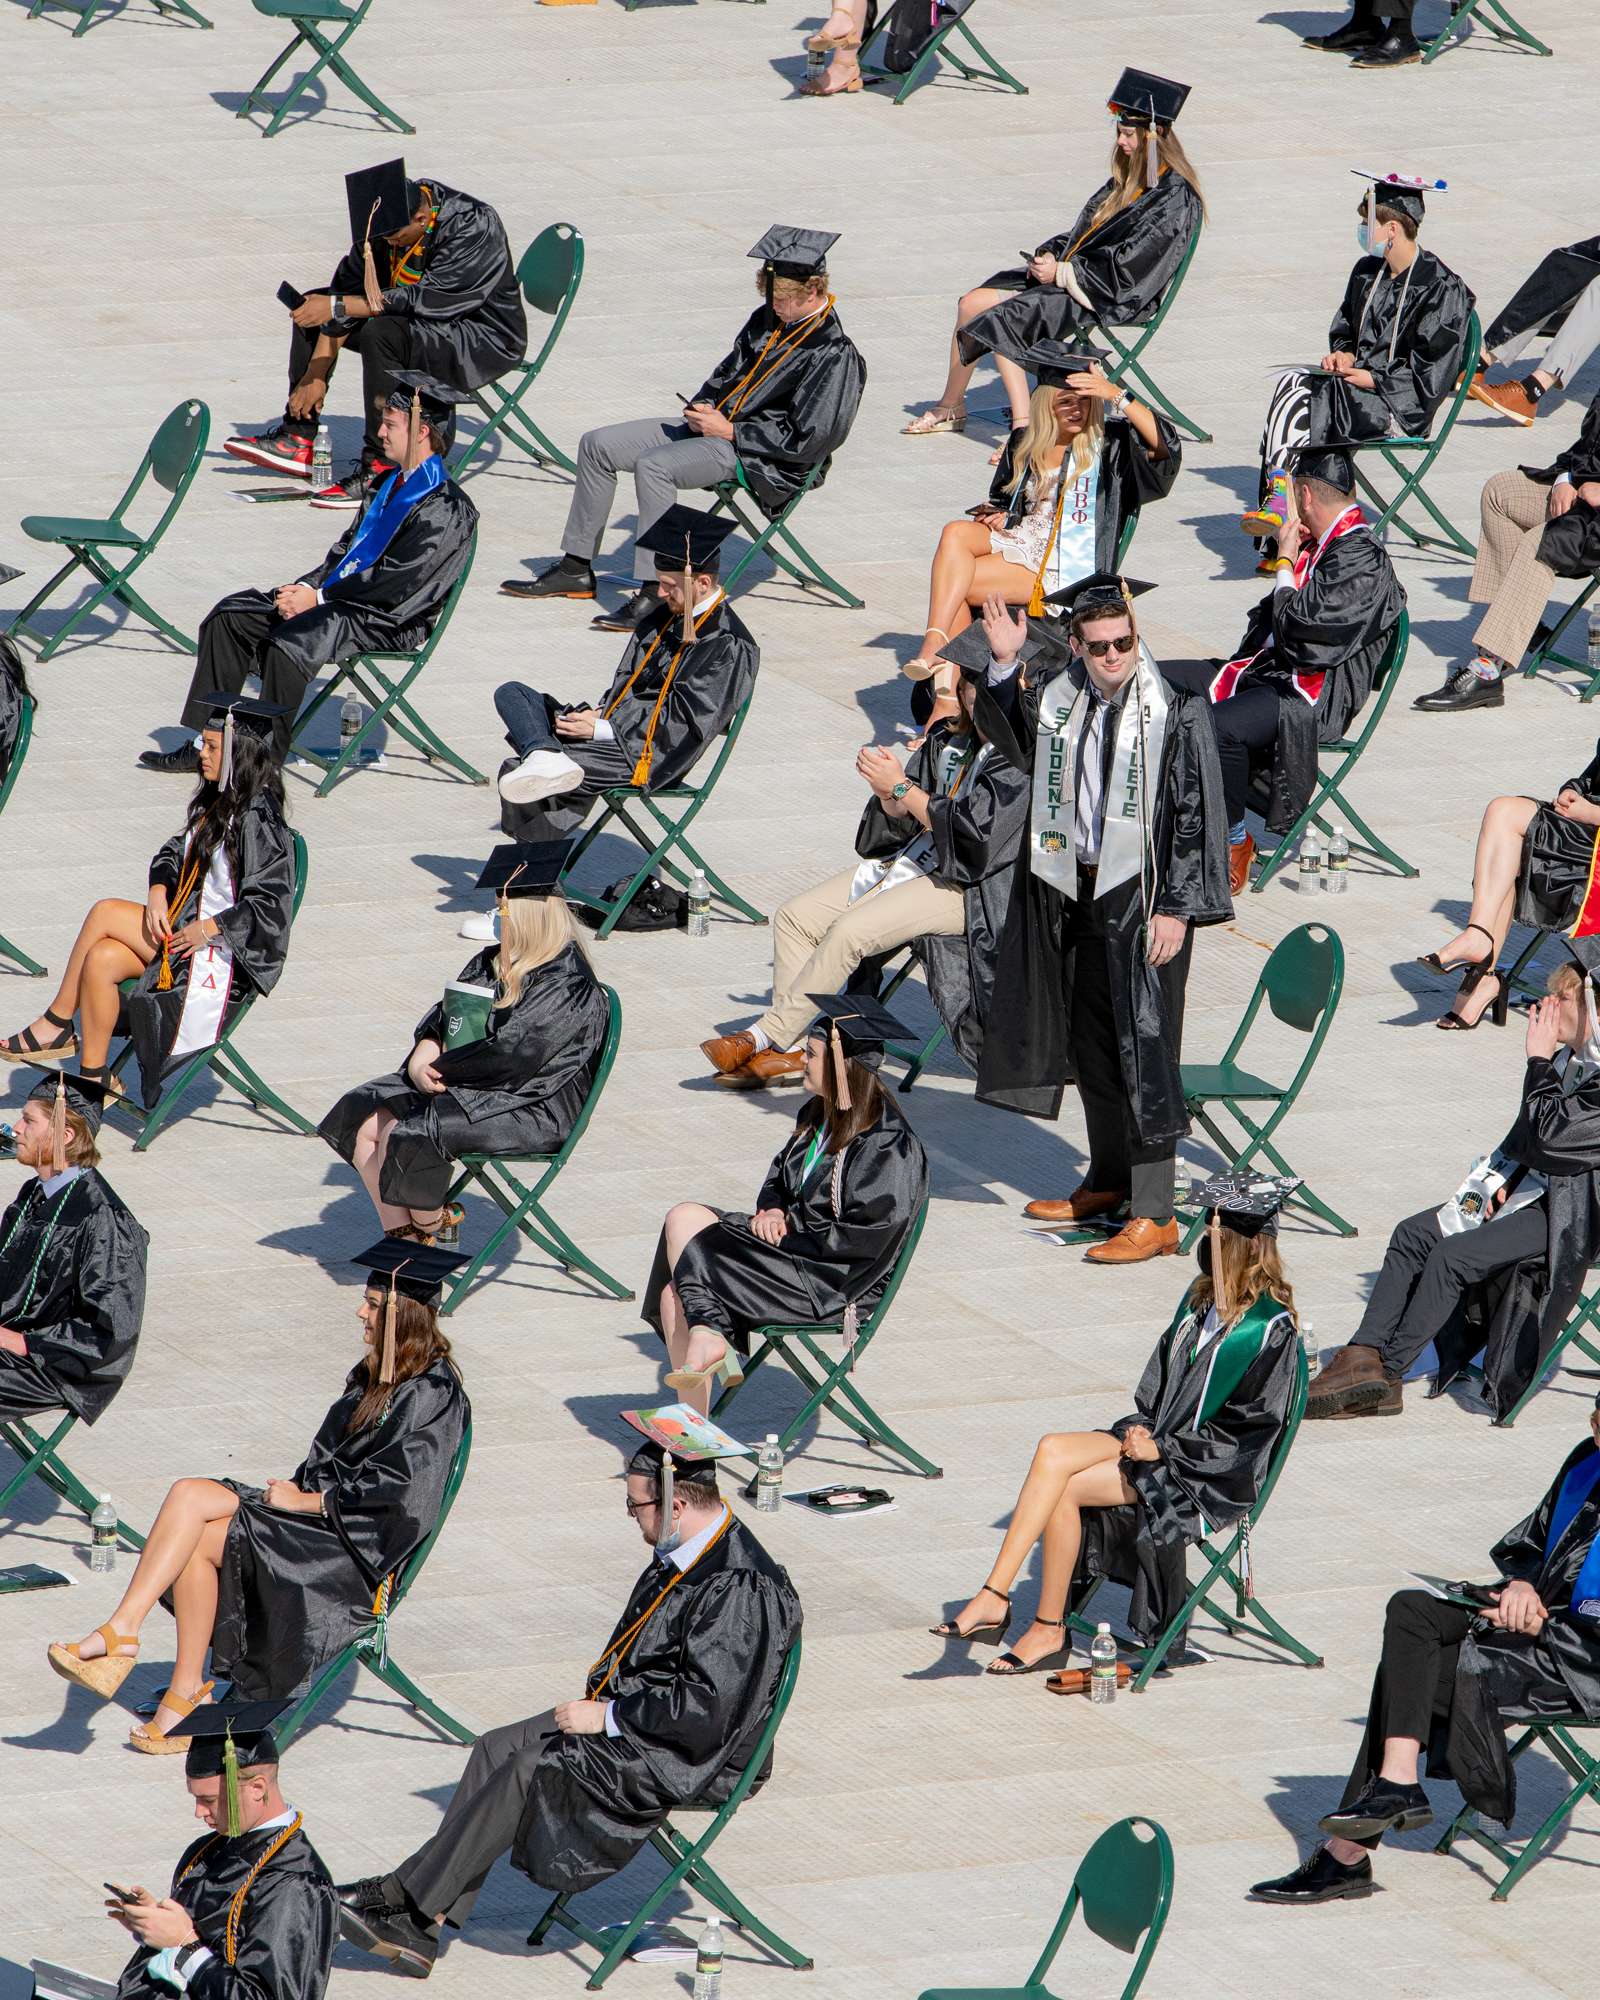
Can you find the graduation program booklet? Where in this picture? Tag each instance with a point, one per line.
(466, 1012)
(59, 1982)
(1473, 1595)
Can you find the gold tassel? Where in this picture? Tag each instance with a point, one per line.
(232, 1819)
(386, 1365)
(58, 1128)
(415, 452)
(688, 595)
(841, 1070)
(1152, 159)
(370, 287)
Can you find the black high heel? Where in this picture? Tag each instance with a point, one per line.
(1007, 1665)
(1435, 963)
(994, 1628)
(1497, 1009)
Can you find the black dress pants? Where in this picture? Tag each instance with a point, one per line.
(385, 347)
(1548, 290)
(1425, 1276)
(1415, 1684)
(445, 1874)
(244, 635)
(1245, 726)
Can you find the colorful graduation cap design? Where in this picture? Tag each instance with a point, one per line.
(687, 538)
(226, 1738)
(417, 1269)
(1330, 462)
(525, 868)
(1402, 191)
(85, 1095)
(1142, 98)
(969, 650)
(787, 252)
(857, 1025)
(697, 1444)
(1247, 1202)
(1102, 591)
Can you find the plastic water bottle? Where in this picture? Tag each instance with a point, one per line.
(1308, 1346)
(816, 62)
(321, 460)
(1336, 878)
(1182, 1183)
(769, 1476)
(1594, 642)
(1102, 1665)
(8, 1143)
(351, 717)
(699, 905)
(103, 1536)
(708, 1961)
(1310, 862)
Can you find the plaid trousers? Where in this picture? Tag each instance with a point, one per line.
(1508, 575)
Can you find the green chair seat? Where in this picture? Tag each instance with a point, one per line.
(72, 528)
(1226, 1079)
(302, 10)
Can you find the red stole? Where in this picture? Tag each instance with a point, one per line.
(1307, 686)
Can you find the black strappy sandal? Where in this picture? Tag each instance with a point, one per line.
(1435, 963)
(25, 1046)
(1007, 1665)
(994, 1628)
(1496, 1010)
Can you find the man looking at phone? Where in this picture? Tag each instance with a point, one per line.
(778, 404)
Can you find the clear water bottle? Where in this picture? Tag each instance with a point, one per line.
(1182, 1183)
(708, 1961)
(8, 1143)
(1594, 642)
(816, 62)
(321, 460)
(351, 717)
(699, 905)
(1102, 1665)
(1336, 877)
(103, 1536)
(769, 1476)
(1308, 1346)
(1310, 862)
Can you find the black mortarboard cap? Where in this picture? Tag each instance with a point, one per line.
(1102, 587)
(1050, 362)
(1401, 191)
(438, 398)
(249, 1724)
(788, 252)
(418, 1269)
(86, 1095)
(863, 1024)
(705, 534)
(969, 650)
(1247, 1202)
(525, 867)
(1143, 99)
(247, 711)
(388, 187)
(1330, 462)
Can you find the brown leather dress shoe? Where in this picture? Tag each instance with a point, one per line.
(1391, 1403)
(728, 1052)
(1136, 1242)
(1239, 860)
(1353, 1380)
(1079, 1206)
(766, 1066)
(1511, 399)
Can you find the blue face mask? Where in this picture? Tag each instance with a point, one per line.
(1364, 240)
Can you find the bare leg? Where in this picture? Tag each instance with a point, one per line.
(1098, 1485)
(1494, 886)
(964, 572)
(954, 396)
(99, 1001)
(367, 1157)
(194, 1599)
(113, 919)
(191, 1506)
(1015, 382)
(846, 65)
(688, 1347)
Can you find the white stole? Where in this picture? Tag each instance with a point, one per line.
(205, 995)
(1141, 741)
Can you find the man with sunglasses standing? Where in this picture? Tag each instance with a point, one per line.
(1125, 853)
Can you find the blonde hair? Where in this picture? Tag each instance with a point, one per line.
(533, 930)
(1564, 979)
(1128, 178)
(1039, 436)
(1251, 1266)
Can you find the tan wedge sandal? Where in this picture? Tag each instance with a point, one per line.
(103, 1675)
(153, 1742)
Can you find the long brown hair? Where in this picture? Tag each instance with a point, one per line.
(1128, 179)
(418, 1344)
(866, 1101)
(1250, 1267)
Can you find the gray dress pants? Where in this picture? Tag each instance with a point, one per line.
(664, 458)
(445, 1874)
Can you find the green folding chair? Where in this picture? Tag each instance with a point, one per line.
(937, 49)
(370, 1647)
(41, 1460)
(1555, 1734)
(1548, 653)
(19, 752)
(222, 1059)
(86, 10)
(383, 682)
(1124, 1887)
(172, 461)
(324, 26)
(1586, 1313)
(1411, 460)
(825, 1381)
(1301, 982)
(1328, 792)
(1224, 1568)
(687, 1867)
(915, 1059)
(668, 837)
(1128, 366)
(1490, 14)
(804, 568)
(522, 1208)
(549, 274)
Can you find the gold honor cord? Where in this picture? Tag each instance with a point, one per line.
(787, 340)
(188, 881)
(230, 1938)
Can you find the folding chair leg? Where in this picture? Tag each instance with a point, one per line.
(711, 1885)
(33, 1450)
(19, 628)
(232, 1068)
(252, 99)
(183, 10)
(1270, 1629)
(370, 98)
(289, 1728)
(394, 1677)
(20, 958)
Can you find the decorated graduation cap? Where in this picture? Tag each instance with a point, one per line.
(226, 1738)
(431, 401)
(684, 1459)
(417, 1269)
(83, 1095)
(525, 868)
(857, 1025)
(1247, 1202)
(1102, 591)
(1404, 192)
(969, 650)
(1330, 462)
(687, 538)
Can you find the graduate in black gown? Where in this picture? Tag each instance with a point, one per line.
(378, 589)
(14, 694)
(439, 295)
(72, 1264)
(830, 1220)
(513, 1090)
(1191, 1458)
(1124, 858)
(251, 1914)
(274, 1580)
(1457, 1670)
(671, 1713)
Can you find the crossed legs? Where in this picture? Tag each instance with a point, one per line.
(690, 1348)
(953, 398)
(114, 942)
(965, 572)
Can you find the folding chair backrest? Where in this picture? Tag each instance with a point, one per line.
(302, 862)
(730, 736)
(1386, 679)
(447, 609)
(551, 271)
(1463, 388)
(1158, 311)
(1124, 1887)
(602, 1069)
(1291, 1423)
(411, 1568)
(19, 751)
(1303, 977)
(902, 1264)
(172, 461)
(756, 1763)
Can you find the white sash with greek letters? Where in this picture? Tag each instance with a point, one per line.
(205, 996)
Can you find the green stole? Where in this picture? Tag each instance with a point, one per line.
(1232, 1353)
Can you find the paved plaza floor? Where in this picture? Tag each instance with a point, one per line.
(921, 1826)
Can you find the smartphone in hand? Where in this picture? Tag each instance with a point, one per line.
(288, 296)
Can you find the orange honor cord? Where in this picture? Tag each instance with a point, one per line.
(188, 881)
(778, 345)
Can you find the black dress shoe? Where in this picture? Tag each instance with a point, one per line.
(390, 1934)
(1464, 689)
(1393, 52)
(184, 760)
(1318, 1879)
(630, 616)
(567, 578)
(372, 1895)
(1349, 40)
(1380, 1807)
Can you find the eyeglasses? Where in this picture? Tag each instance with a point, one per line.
(636, 1507)
(1098, 648)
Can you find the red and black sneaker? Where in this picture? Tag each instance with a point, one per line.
(278, 450)
(345, 495)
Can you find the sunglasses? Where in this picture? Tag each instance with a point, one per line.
(1097, 649)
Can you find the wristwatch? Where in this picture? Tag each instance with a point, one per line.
(901, 789)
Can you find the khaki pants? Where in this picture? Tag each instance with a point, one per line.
(820, 937)
(1508, 575)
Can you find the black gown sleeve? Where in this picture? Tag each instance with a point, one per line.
(1217, 1469)
(815, 417)
(884, 1180)
(463, 272)
(1429, 356)
(1129, 261)
(1556, 1133)
(976, 832)
(109, 1255)
(412, 578)
(384, 1504)
(479, 970)
(1338, 610)
(541, 1043)
(878, 835)
(285, 1943)
(1194, 868)
(256, 927)
(1519, 1554)
(1588, 780)
(725, 1659)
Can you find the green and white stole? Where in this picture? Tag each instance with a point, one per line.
(1064, 712)
(957, 761)
(1231, 1353)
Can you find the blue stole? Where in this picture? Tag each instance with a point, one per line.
(1576, 1488)
(380, 524)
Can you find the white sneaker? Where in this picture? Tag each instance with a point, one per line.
(540, 774)
(483, 927)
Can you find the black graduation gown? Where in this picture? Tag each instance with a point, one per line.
(465, 313)
(1130, 477)
(716, 673)
(10, 718)
(1549, 291)
(1123, 269)
(294, 1588)
(516, 1094)
(287, 1928)
(1571, 545)
(1025, 1064)
(81, 1314)
(975, 836)
(833, 1256)
(255, 928)
(1557, 864)
(1507, 1678)
(693, 1694)
(1428, 355)
(797, 415)
(1518, 1315)
(1207, 1478)
(1337, 624)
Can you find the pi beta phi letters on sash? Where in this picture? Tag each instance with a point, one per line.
(210, 981)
